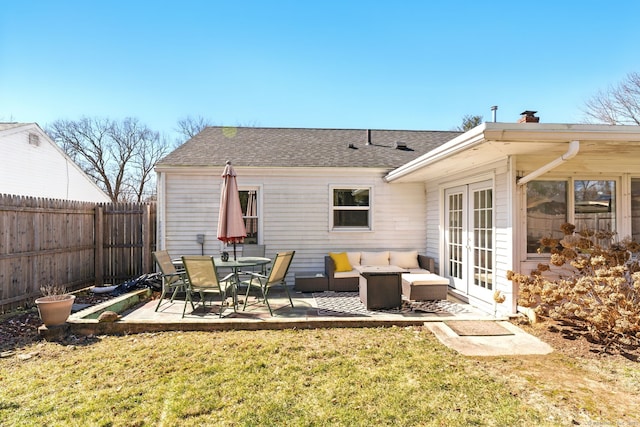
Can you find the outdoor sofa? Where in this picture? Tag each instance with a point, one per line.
(343, 268)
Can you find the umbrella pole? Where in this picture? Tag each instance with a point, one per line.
(234, 250)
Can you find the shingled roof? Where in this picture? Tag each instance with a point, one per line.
(11, 125)
(286, 147)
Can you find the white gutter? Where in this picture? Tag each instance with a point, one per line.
(574, 147)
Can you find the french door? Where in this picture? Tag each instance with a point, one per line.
(469, 238)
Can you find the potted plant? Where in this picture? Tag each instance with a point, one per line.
(55, 304)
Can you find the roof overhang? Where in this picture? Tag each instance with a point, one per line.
(490, 142)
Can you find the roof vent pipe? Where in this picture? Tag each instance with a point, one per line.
(574, 147)
(368, 136)
(494, 108)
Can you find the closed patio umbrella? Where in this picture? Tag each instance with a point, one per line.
(230, 222)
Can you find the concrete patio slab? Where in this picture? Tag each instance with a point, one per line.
(520, 343)
(309, 311)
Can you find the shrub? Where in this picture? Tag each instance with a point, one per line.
(591, 282)
(53, 290)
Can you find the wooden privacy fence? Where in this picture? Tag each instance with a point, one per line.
(125, 238)
(75, 244)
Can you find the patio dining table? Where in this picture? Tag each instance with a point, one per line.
(236, 267)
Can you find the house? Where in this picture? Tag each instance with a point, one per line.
(294, 180)
(500, 187)
(477, 202)
(34, 166)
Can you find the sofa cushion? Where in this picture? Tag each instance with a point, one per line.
(374, 258)
(354, 258)
(378, 269)
(418, 271)
(341, 261)
(408, 259)
(425, 279)
(346, 274)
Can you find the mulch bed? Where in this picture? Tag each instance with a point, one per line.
(574, 340)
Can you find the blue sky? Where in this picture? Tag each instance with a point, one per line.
(326, 64)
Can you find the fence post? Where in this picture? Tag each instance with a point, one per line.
(146, 239)
(99, 249)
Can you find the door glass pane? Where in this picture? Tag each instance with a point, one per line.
(595, 205)
(483, 240)
(546, 211)
(455, 235)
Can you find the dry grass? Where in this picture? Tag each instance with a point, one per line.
(330, 377)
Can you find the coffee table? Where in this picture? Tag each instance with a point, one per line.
(381, 286)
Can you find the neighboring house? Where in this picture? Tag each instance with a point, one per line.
(33, 165)
(477, 202)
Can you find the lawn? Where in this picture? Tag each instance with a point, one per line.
(329, 377)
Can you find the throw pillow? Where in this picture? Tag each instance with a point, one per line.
(354, 258)
(407, 259)
(375, 258)
(341, 261)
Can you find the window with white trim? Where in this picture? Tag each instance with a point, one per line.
(351, 208)
(550, 203)
(546, 211)
(250, 214)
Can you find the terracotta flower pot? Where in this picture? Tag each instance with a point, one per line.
(55, 309)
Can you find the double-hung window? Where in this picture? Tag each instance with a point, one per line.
(249, 204)
(351, 208)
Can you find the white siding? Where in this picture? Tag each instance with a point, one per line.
(42, 170)
(503, 255)
(435, 210)
(504, 250)
(294, 213)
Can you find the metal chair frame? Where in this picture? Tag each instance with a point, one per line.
(277, 276)
(202, 277)
(172, 278)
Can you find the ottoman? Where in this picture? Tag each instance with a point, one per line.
(306, 281)
(424, 286)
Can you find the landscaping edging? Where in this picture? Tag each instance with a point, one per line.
(85, 322)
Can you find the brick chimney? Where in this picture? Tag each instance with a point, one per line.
(529, 117)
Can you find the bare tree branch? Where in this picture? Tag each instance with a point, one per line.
(618, 105)
(119, 156)
(191, 126)
(469, 122)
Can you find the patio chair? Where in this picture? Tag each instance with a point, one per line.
(276, 276)
(172, 279)
(202, 278)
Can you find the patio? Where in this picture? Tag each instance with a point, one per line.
(311, 310)
(307, 307)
